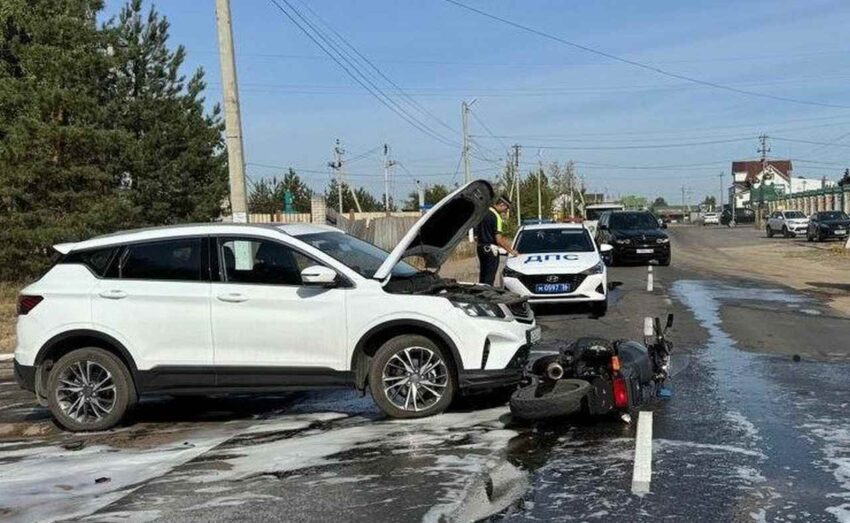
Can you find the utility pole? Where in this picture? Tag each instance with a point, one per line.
(232, 119)
(539, 193)
(336, 165)
(387, 164)
(683, 204)
(764, 149)
(464, 114)
(516, 148)
(721, 191)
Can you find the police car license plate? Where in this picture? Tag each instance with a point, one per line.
(534, 335)
(645, 251)
(551, 288)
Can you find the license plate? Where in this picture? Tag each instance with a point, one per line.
(551, 288)
(840, 232)
(533, 335)
(645, 251)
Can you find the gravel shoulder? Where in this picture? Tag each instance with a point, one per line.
(821, 269)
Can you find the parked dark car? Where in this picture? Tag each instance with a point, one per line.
(828, 224)
(635, 235)
(742, 215)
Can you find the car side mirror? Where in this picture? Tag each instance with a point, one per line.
(319, 276)
(602, 227)
(606, 248)
(663, 225)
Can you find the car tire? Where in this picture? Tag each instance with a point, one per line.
(82, 406)
(809, 236)
(541, 400)
(396, 377)
(769, 231)
(599, 308)
(665, 262)
(785, 232)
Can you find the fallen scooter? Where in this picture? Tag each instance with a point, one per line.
(597, 375)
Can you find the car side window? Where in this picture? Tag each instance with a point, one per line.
(96, 260)
(163, 260)
(247, 260)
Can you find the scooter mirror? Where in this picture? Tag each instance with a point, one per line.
(669, 321)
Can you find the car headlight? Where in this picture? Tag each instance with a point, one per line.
(662, 240)
(599, 268)
(623, 242)
(509, 273)
(480, 310)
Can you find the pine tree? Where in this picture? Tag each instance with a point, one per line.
(175, 157)
(59, 180)
(267, 195)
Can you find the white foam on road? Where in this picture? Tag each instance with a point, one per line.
(834, 436)
(47, 483)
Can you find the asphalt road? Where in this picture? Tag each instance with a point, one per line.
(749, 435)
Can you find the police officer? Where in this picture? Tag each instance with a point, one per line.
(489, 236)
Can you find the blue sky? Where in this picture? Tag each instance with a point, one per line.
(558, 102)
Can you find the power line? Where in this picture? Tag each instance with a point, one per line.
(645, 146)
(389, 80)
(352, 71)
(810, 142)
(640, 65)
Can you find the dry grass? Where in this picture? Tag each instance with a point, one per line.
(8, 316)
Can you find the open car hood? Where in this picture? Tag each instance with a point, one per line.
(437, 233)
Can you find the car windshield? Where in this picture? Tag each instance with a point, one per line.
(833, 215)
(792, 215)
(633, 221)
(554, 240)
(360, 256)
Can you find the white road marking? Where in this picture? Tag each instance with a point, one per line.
(643, 454)
(648, 326)
(649, 282)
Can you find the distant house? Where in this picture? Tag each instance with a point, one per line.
(775, 174)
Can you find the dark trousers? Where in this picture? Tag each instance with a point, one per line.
(489, 266)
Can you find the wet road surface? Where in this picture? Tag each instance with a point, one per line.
(747, 436)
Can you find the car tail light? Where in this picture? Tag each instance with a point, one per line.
(621, 393)
(27, 303)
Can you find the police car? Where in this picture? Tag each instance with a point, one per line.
(558, 263)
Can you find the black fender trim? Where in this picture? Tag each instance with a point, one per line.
(360, 360)
(87, 333)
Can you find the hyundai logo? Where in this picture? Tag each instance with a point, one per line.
(552, 278)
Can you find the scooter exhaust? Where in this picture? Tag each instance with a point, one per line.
(554, 371)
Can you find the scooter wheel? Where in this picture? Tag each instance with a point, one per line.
(548, 400)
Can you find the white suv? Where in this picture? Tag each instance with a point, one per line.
(215, 308)
(788, 223)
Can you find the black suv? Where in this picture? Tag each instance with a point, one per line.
(828, 224)
(635, 236)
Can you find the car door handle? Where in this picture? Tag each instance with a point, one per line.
(233, 297)
(113, 294)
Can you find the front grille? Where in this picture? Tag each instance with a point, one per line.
(521, 311)
(530, 280)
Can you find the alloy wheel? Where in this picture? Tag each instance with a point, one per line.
(86, 392)
(415, 379)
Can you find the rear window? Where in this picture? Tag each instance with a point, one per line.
(166, 260)
(97, 260)
(794, 214)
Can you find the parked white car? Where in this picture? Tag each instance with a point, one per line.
(215, 308)
(711, 218)
(558, 263)
(787, 223)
